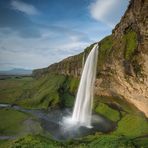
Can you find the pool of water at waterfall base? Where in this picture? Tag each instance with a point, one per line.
(61, 127)
(59, 124)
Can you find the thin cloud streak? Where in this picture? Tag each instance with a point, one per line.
(24, 7)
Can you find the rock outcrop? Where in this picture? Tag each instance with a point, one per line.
(122, 61)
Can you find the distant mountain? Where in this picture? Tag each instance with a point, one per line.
(16, 71)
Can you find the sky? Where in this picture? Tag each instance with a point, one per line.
(37, 33)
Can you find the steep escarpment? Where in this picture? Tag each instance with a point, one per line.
(128, 59)
(122, 60)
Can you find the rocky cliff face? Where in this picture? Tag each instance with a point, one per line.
(122, 59)
(130, 80)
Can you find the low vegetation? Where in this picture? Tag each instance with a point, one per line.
(105, 110)
(132, 126)
(11, 122)
(105, 49)
(50, 90)
(43, 93)
(131, 44)
(95, 141)
(12, 88)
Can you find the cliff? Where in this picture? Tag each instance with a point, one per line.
(122, 60)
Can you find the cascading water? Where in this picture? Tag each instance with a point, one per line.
(82, 122)
(83, 106)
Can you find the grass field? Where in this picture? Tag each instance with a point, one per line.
(12, 88)
(11, 122)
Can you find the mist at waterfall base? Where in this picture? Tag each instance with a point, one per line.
(66, 124)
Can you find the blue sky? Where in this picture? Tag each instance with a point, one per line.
(37, 33)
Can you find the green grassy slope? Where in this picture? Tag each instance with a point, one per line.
(43, 93)
(11, 89)
(11, 122)
(50, 90)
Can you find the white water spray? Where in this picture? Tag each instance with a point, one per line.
(84, 100)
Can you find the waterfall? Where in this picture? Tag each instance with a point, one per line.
(84, 100)
(83, 61)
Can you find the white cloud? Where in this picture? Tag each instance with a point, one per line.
(108, 11)
(40, 52)
(24, 7)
